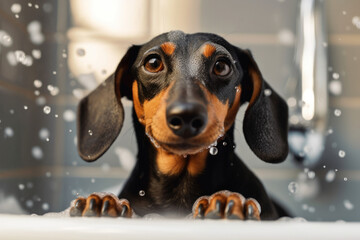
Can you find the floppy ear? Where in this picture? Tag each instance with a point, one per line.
(265, 123)
(101, 114)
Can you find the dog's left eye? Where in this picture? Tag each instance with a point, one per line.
(221, 68)
(154, 64)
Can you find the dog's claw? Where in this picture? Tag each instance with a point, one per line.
(226, 205)
(97, 205)
(78, 208)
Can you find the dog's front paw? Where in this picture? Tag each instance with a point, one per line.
(101, 205)
(226, 205)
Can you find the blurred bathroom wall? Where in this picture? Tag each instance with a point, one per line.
(55, 52)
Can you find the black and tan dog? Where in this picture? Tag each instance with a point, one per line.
(186, 90)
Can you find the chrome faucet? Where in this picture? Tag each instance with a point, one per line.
(308, 118)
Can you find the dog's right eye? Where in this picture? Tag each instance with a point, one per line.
(153, 64)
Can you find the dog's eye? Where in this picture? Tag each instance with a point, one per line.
(154, 64)
(221, 68)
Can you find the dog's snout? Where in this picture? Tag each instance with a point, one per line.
(186, 119)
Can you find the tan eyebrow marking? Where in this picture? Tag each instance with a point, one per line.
(168, 48)
(208, 50)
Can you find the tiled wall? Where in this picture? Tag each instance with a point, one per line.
(267, 27)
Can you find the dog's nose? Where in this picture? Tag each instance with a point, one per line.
(186, 119)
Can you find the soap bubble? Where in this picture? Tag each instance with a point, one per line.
(37, 83)
(293, 187)
(330, 176)
(8, 132)
(213, 150)
(267, 92)
(337, 112)
(5, 39)
(336, 75)
(36, 53)
(342, 153)
(45, 206)
(44, 134)
(10, 56)
(335, 87)
(69, 115)
(348, 205)
(141, 193)
(37, 152)
(15, 8)
(47, 109)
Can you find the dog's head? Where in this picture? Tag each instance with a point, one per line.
(186, 90)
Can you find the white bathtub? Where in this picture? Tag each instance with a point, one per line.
(53, 228)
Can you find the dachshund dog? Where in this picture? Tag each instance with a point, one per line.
(186, 91)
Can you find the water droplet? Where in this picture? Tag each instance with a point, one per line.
(213, 150)
(141, 193)
(325, 44)
(5, 39)
(37, 92)
(337, 112)
(44, 134)
(47, 139)
(15, 8)
(37, 83)
(69, 115)
(267, 92)
(348, 205)
(330, 176)
(30, 4)
(311, 174)
(224, 144)
(21, 186)
(330, 131)
(29, 203)
(70, 130)
(90, 132)
(56, 115)
(47, 109)
(45, 206)
(54, 72)
(356, 21)
(48, 174)
(344, 12)
(26, 107)
(8, 132)
(20, 56)
(293, 187)
(345, 179)
(36, 6)
(37, 152)
(80, 52)
(342, 153)
(237, 88)
(291, 102)
(64, 55)
(17, 16)
(93, 180)
(335, 87)
(53, 90)
(36, 53)
(335, 75)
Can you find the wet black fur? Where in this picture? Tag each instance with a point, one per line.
(265, 129)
